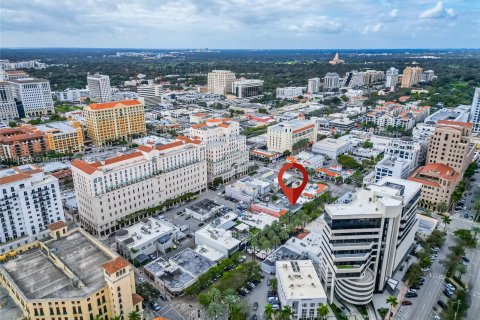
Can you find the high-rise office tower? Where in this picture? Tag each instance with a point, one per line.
(313, 85)
(391, 77)
(8, 107)
(99, 88)
(34, 94)
(475, 111)
(331, 81)
(220, 81)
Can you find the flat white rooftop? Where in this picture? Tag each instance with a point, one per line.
(222, 237)
(258, 220)
(145, 231)
(299, 280)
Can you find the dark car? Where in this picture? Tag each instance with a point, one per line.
(154, 305)
(442, 304)
(465, 259)
(255, 305)
(163, 297)
(448, 293)
(254, 317)
(406, 303)
(411, 295)
(415, 286)
(201, 224)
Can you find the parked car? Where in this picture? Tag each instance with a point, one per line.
(426, 269)
(442, 304)
(254, 317)
(465, 259)
(163, 298)
(406, 303)
(141, 280)
(449, 286)
(188, 217)
(255, 305)
(415, 286)
(412, 291)
(154, 306)
(411, 295)
(201, 224)
(448, 293)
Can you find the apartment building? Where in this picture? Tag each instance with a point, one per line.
(372, 76)
(475, 111)
(313, 85)
(220, 81)
(439, 181)
(114, 120)
(226, 148)
(391, 77)
(365, 239)
(411, 76)
(285, 135)
(450, 144)
(397, 115)
(110, 190)
(70, 276)
(22, 144)
(34, 94)
(29, 201)
(289, 92)
(406, 148)
(63, 137)
(246, 88)
(8, 107)
(353, 79)
(99, 88)
(331, 81)
(299, 288)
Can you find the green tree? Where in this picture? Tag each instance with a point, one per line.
(12, 124)
(286, 313)
(446, 220)
(268, 311)
(476, 207)
(392, 301)
(230, 301)
(215, 310)
(322, 311)
(134, 315)
(217, 181)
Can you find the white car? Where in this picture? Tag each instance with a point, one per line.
(426, 269)
(141, 280)
(436, 318)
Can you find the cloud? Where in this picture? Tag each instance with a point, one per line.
(374, 28)
(320, 24)
(394, 13)
(438, 12)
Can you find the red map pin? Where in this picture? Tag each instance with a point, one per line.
(293, 193)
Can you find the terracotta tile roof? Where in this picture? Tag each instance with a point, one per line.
(303, 235)
(115, 265)
(321, 187)
(200, 125)
(160, 318)
(136, 298)
(14, 177)
(456, 123)
(223, 125)
(189, 140)
(145, 148)
(304, 128)
(84, 166)
(123, 157)
(327, 172)
(57, 225)
(169, 145)
(200, 115)
(214, 120)
(436, 171)
(308, 195)
(291, 159)
(113, 104)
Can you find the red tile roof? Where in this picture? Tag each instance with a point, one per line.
(57, 225)
(456, 123)
(84, 166)
(115, 265)
(304, 128)
(136, 298)
(169, 145)
(123, 157)
(145, 148)
(113, 104)
(13, 178)
(303, 235)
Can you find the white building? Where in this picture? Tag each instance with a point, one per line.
(150, 95)
(331, 148)
(391, 77)
(245, 88)
(34, 94)
(72, 95)
(313, 85)
(284, 135)
(475, 111)
(30, 202)
(299, 287)
(392, 167)
(110, 190)
(353, 79)
(99, 88)
(289, 92)
(218, 238)
(226, 148)
(8, 107)
(247, 189)
(405, 148)
(331, 81)
(204, 209)
(220, 81)
(365, 239)
(148, 236)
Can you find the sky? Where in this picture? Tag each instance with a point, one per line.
(240, 24)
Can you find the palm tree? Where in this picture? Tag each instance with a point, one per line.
(275, 240)
(442, 207)
(215, 310)
(134, 315)
(230, 301)
(392, 301)
(446, 220)
(268, 311)
(322, 311)
(116, 318)
(253, 244)
(286, 313)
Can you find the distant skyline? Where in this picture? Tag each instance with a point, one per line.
(241, 24)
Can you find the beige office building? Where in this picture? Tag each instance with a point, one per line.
(450, 144)
(285, 135)
(220, 81)
(411, 76)
(71, 276)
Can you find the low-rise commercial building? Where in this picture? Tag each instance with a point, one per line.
(392, 167)
(70, 276)
(246, 88)
(299, 288)
(289, 92)
(22, 144)
(218, 238)
(331, 148)
(148, 236)
(247, 189)
(204, 209)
